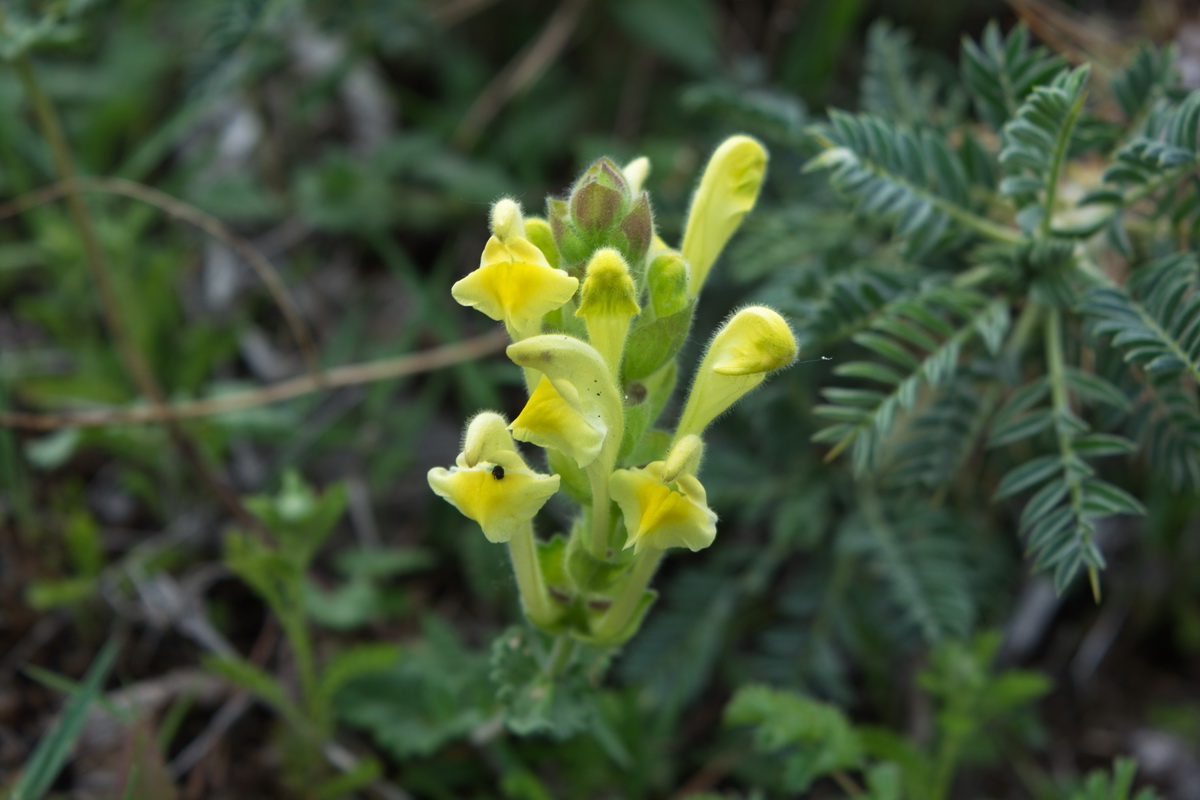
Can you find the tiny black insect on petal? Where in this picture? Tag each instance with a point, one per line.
(498, 472)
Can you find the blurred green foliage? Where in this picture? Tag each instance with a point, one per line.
(358, 144)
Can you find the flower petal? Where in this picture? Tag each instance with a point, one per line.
(663, 515)
(514, 283)
(550, 421)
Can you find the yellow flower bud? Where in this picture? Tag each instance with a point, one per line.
(607, 303)
(684, 457)
(727, 191)
(755, 341)
(635, 173)
(659, 513)
(515, 284)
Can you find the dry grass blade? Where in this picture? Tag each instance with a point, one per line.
(351, 375)
(175, 207)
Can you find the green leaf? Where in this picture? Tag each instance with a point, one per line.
(436, 692)
(1029, 474)
(356, 662)
(817, 738)
(533, 700)
(54, 749)
(1000, 72)
(258, 681)
(1036, 143)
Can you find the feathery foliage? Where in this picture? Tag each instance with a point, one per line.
(1019, 230)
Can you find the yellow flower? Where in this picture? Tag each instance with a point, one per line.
(580, 377)
(490, 482)
(660, 513)
(727, 191)
(755, 341)
(516, 284)
(550, 421)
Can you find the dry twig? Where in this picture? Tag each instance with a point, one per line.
(355, 374)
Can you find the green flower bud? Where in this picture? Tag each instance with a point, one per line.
(635, 232)
(594, 207)
(571, 246)
(667, 281)
(538, 231)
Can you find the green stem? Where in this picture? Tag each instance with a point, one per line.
(1056, 166)
(1057, 373)
(981, 225)
(944, 764)
(598, 474)
(560, 656)
(633, 587)
(535, 598)
(295, 628)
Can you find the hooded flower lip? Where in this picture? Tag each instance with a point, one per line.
(550, 421)
(662, 514)
(580, 376)
(515, 284)
(755, 341)
(728, 190)
(607, 303)
(486, 436)
(490, 482)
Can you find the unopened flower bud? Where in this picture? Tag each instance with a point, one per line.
(636, 172)
(667, 282)
(727, 191)
(538, 232)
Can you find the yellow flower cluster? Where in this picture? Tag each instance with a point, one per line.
(597, 307)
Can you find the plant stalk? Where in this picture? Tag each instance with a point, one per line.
(535, 598)
(632, 589)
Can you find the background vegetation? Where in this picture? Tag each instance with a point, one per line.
(269, 201)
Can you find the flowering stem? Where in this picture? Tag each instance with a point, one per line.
(560, 656)
(535, 599)
(630, 597)
(598, 473)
